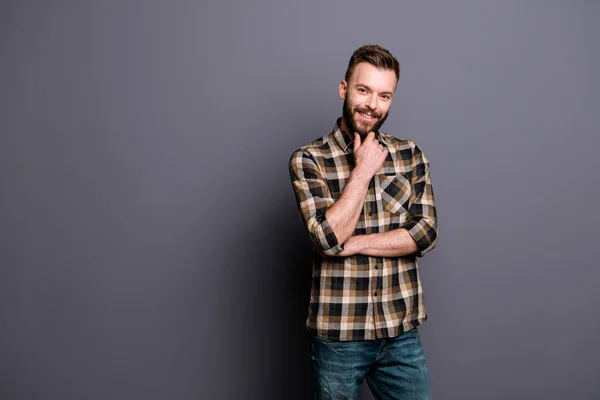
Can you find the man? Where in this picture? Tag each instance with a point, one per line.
(367, 202)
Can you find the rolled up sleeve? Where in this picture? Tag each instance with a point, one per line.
(422, 223)
(313, 198)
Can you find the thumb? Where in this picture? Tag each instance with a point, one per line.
(356, 141)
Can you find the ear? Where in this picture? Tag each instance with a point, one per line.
(343, 87)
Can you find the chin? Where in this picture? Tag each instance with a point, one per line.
(364, 130)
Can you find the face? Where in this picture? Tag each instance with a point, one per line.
(367, 98)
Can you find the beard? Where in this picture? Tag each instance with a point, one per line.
(355, 125)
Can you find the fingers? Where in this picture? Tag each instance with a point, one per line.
(356, 141)
(369, 145)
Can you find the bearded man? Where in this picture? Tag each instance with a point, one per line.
(367, 202)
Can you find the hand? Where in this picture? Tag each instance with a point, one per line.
(350, 247)
(369, 155)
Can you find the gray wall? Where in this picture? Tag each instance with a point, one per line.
(150, 246)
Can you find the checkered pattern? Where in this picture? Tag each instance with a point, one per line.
(361, 297)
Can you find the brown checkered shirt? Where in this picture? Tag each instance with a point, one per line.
(361, 297)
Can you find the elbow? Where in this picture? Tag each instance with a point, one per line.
(324, 239)
(424, 233)
(427, 242)
(328, 251)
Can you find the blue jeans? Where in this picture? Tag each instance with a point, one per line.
(394, 368)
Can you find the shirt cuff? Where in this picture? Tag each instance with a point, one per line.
(423, 234)
(323, 236)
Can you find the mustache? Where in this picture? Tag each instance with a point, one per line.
(366, 111)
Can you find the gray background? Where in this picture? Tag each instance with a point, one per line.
(150, 246)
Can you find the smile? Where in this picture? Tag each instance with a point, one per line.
(370, 117)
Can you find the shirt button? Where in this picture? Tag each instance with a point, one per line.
(377, 266)
(375, 294)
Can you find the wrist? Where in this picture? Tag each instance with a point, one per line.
(360, 176)
(353, 245)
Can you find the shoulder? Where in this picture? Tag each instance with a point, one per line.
(395, 144)
(407, 150)
(316, 149)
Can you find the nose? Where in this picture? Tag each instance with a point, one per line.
(371, 102)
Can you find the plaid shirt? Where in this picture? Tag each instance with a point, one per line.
(361, 297)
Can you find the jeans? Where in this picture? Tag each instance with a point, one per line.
(394, 368)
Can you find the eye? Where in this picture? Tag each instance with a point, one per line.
(386, 96)
(362, 90)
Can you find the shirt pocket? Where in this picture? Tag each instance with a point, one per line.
(395, 194)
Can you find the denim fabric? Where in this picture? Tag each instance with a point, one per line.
(394, 368)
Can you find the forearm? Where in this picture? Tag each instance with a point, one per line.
(344, 213)
(394, 243)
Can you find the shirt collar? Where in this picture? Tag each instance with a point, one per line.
(342, 138)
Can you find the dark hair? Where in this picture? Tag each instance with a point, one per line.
(375, 55)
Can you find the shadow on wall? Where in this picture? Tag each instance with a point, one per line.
(271, 274)
(293, 256)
